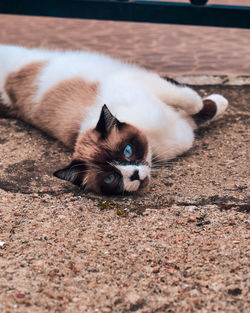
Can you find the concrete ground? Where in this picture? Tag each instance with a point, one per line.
(182, 247)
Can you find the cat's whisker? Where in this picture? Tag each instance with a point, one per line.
(95, 166)
(78, 164)
(154, 170)
(157, 158)
(80, 172)
(160, 165)
(111, 163)
(161, 155)
(166, 165)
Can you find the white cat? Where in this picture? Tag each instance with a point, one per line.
(116, 116)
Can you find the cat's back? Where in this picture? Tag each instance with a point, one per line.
(57, 65)
(46, 69)
(90, 66)
(14, 57)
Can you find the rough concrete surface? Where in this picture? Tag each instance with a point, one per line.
(182, 247)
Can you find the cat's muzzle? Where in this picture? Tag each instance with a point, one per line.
(144, 183)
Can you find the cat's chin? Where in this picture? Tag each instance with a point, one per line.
(143, 187)
(144, 184)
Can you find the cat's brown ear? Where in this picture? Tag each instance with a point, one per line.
(74, 172)
(106, 122)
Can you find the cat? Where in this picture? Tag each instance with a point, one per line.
(117, 117)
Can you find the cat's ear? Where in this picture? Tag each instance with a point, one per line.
(106, 122)
(74, 172)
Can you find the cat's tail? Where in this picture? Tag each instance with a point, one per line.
(213, 106)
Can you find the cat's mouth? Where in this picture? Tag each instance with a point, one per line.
(144, 183)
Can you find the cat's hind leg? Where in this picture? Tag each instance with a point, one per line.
(171, 92)
(185, 98)
(180, 96)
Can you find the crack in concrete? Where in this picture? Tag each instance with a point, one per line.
(223, 203)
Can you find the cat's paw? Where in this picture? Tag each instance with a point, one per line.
(221, 103)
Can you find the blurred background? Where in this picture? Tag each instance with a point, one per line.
(168, 49)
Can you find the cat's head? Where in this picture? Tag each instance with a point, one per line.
(112, 158)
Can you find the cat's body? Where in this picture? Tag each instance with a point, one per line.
(63, 93)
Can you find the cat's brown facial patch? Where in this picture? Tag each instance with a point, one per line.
(104, 158)
(116, 157)
(121, 171)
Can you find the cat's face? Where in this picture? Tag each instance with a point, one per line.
(112, 158)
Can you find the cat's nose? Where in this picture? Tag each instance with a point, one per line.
(135, 176)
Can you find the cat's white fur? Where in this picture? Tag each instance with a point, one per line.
(134, 95)
(128, 170)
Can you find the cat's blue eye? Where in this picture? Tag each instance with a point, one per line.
(109, 179)
(128, 152)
